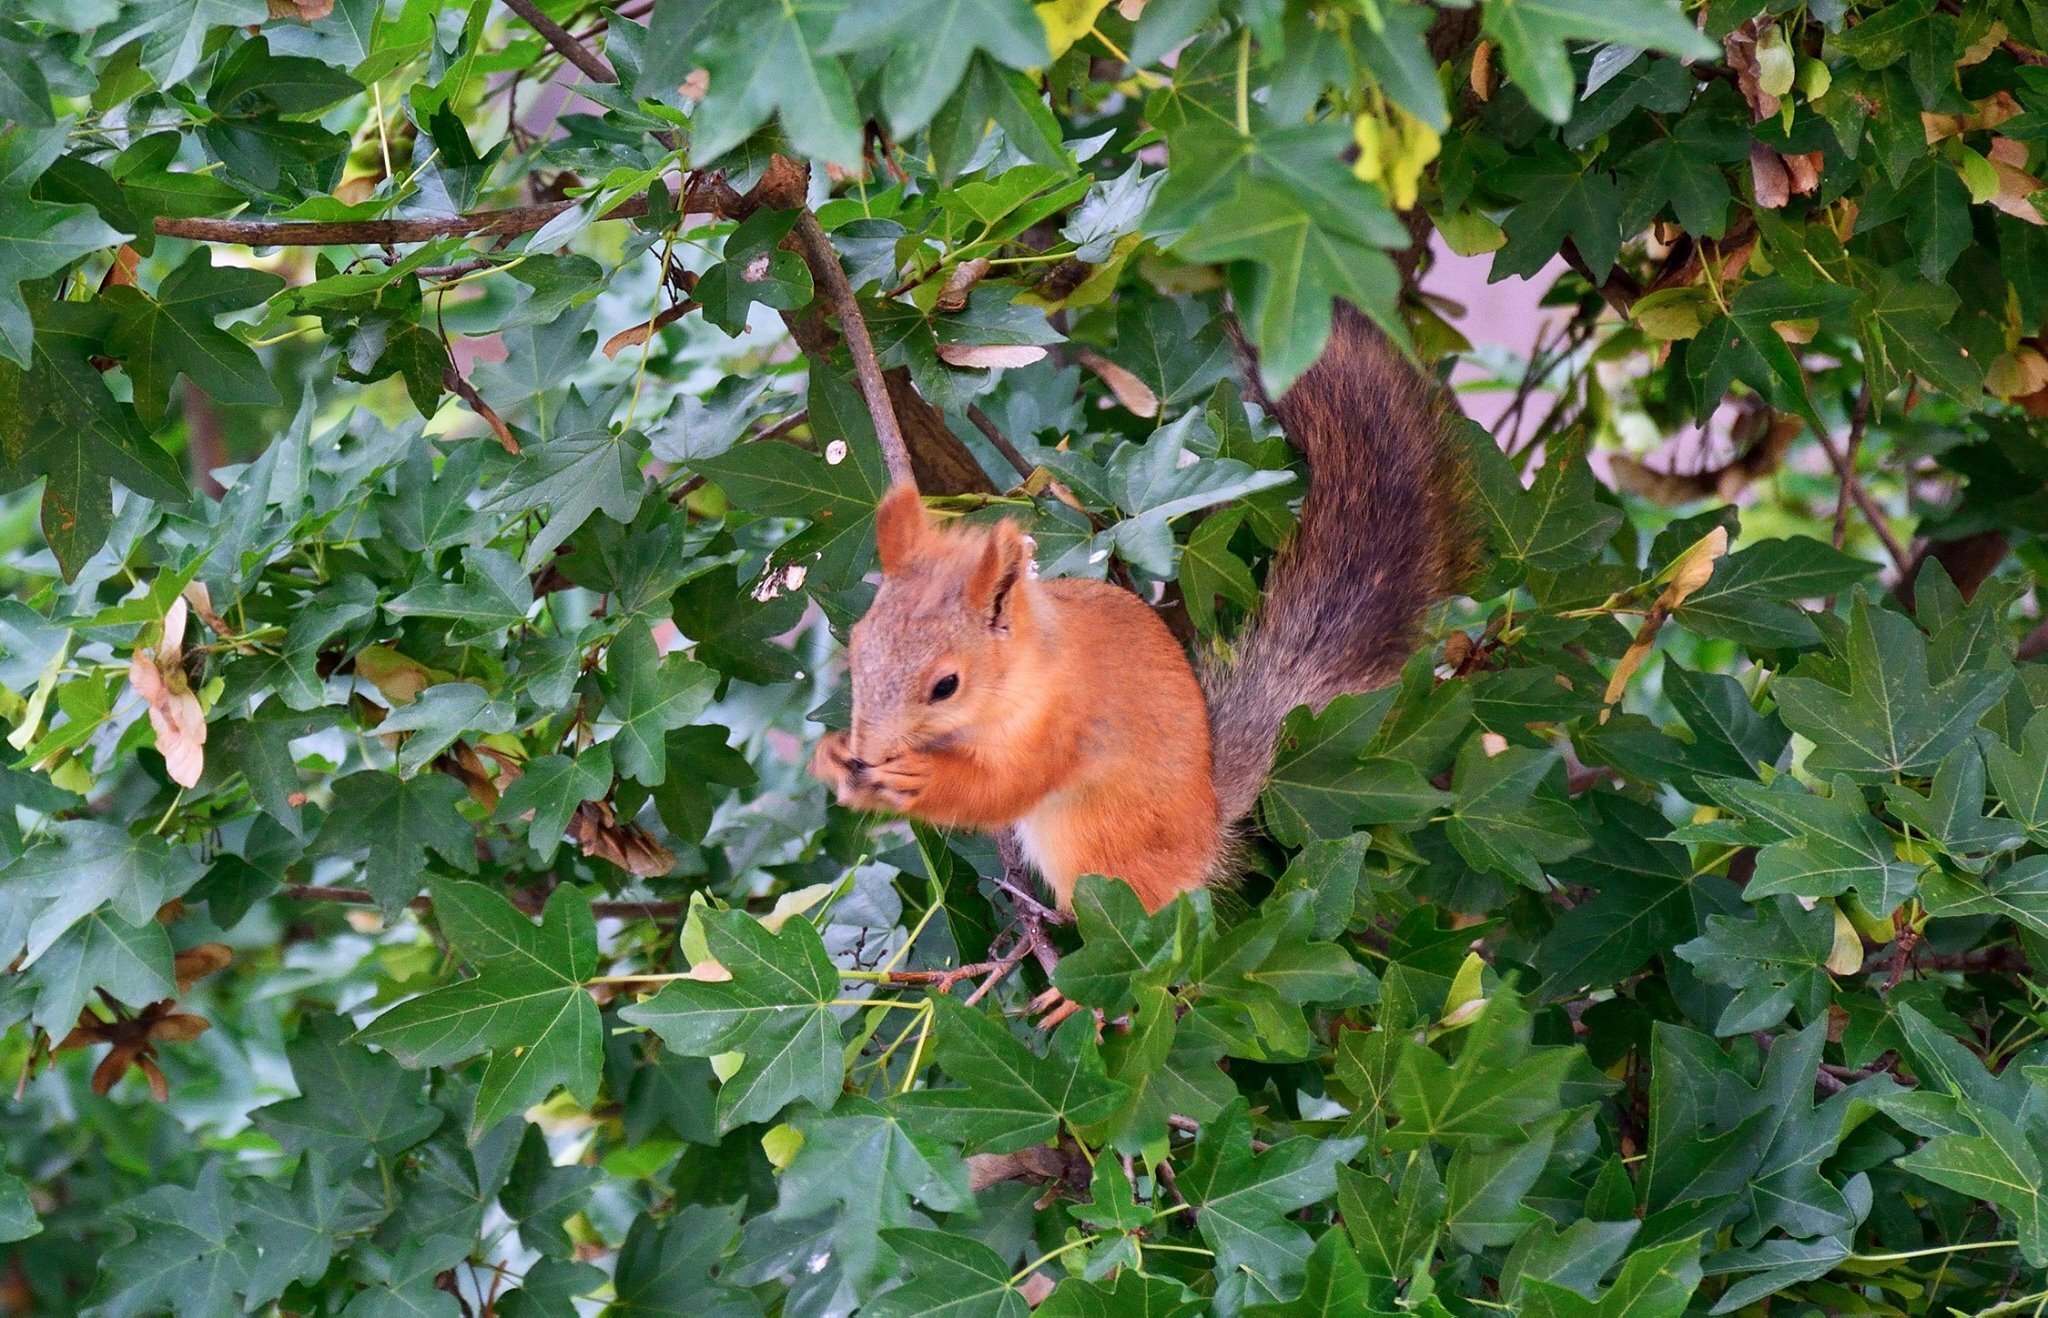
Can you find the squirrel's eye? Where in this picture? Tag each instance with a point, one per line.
(945, 686)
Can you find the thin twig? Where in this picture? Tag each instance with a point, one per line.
(999, 439)
(1003, 967)
(624, 910)
(336, 233)
(828, 275)
(564, 41)
(1858, 418)
(1871, 512)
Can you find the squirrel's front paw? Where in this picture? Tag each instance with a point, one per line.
(832, 763)
(900, 781)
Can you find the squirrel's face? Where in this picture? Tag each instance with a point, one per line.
(933, 657)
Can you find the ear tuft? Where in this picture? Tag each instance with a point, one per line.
(900, 526)
(992, 585)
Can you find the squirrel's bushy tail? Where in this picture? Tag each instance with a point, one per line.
(1382, 537)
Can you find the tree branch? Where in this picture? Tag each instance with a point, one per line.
(1871, 512)
(1857, 420)
(334, 233)
(623, 910)
(564, 41)
(828, 275)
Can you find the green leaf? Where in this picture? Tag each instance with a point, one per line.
(527, 1003)
(776, 1009)
(1777, 963)
(352, 1102)
(1562, 201)
(755, 268)
(1129, 1293)
(173, 334)
(130, 961)
(1642, 905)
(1554, 525)
(930, 43)
(1749, 597)
(864, 1166)
(950, 1277)
(2019, 892)
(40, 239)
(1830, 844)
(549, 791)
(494, 594)
(441, 714)
(1500, 823)
(83, 866)
(1534, 36)
(647, 696)
(1889, 720)
(1119, 942)
(1323, 784)
(390, 824)
(1334, 1285)
(17, 1215)
(188, 1254)
(1244, 1198)
(671, 1265)
(773, 63)
(1901, 324)
(294, 1228)
(2021, 777)
(1999, 1165)
(838, 499)
(57, 420)
(572, 476)
(1659, 1279)
(1297, 268)
(1497, 1085)
(1952, 813)
(1013, 1098)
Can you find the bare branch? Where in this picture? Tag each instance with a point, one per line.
(623, 910)
(1857, 420)
(564, 41)
(999, 439)
(826, 272)
(1871, 512)
(384, 233)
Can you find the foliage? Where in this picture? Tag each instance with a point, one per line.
(411, 900)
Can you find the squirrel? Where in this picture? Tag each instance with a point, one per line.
(1065, 710)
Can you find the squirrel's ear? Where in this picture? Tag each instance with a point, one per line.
(1002, 565)
(900, 524)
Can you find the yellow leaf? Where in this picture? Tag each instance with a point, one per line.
(1067, 21)
(1673, 313)
(1846, 958)
(781, 1145)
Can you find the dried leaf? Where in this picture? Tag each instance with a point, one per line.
(635, 335)
(1773, 184)
(305, 11)
(597, 830)
(989, 354)
(196, 963)
(1762, 64)
(1136, 396)
(953, 297)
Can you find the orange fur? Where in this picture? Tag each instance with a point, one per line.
(1117, 784)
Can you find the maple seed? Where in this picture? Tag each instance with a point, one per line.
(158, 676)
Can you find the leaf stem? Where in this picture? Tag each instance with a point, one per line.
(1932, 1250)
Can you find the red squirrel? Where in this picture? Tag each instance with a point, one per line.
(1065, 709)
